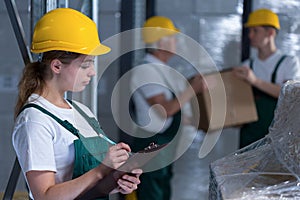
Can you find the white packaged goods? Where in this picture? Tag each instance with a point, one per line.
(270, 167)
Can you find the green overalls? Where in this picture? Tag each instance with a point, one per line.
(89, 152)
(156, 185)
(265, 106)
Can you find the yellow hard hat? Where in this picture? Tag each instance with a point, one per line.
(66, 29)
(156, 28)
(263, 17)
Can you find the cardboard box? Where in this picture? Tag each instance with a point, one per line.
(228, 102)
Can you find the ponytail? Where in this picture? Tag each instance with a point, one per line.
(33, 80)
(35, 74)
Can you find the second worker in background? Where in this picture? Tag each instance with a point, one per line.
(161, 94)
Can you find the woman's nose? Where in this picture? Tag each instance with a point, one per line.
(92, 72)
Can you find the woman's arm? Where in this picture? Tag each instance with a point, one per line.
(42, 183)
(116, 181)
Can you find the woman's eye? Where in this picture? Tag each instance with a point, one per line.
(85, 66)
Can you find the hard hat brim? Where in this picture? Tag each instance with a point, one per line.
(100, 50)
(248, 25)
(42, 47)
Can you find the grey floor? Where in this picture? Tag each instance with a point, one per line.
(191, 174)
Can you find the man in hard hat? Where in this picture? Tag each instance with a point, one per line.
(266, 72)
(158, 105)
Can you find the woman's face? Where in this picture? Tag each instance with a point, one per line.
(77, 75)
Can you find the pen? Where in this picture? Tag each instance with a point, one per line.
(110, 141)
(107, 139)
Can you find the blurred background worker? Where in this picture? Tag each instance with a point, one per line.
(161, 89)
(266, 72)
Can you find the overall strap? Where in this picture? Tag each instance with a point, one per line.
(251, 64)
(92, 122)
(64, 123)
(273, 77)
(276, 68)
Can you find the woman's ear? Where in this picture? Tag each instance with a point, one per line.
(56, 66)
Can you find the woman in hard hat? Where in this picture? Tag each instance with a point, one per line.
(67, 42)
(156, 86)
(266, 72)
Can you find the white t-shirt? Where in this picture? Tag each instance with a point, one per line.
(149, 83)
(151, 79)
(42, 144)
(289, 69)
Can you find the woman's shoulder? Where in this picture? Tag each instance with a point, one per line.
(33, 119)
(31, 114)
(83, 107)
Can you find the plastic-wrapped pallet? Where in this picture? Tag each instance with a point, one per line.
(270, 167)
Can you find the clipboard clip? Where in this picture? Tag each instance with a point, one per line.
(151, 146)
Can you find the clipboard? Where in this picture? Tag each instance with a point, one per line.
(135, 161)
(141, 158)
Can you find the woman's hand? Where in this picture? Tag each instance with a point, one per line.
(129, 182)
(116, 155)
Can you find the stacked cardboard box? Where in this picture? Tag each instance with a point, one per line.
(228, 102)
